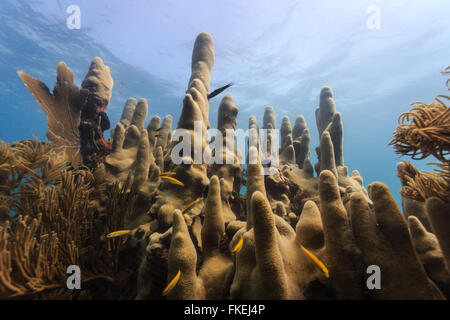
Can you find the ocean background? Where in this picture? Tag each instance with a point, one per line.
(278, 53)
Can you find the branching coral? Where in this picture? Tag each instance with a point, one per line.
(424, 130)
(55, 223)
(420, 186)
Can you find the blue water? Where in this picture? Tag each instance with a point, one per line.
(277, 54)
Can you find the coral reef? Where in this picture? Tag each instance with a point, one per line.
(427, 133)
(142, 225)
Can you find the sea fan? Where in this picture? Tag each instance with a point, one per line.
(63, 109)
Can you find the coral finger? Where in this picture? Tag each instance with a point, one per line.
(326, 109)
(439, 215)
(131, 137)
(128, 111)
(308, 168)
(286, 132)
(202, 103)
(336, 129)
(202, 59)
(164, 139)
(154, 124)
(364, 227)
(140, 114)
(152, 127)
(143, 160)
(327, 159)
(341, 251)
(269, 118)
(183, 258)
(430, 254)
(299, 127)
(309, 227)
(302, 148)
(268, 256)
(190, 114)
(390, 219)
(228, 112)
(283, 227)
(154, 172)
(159, 158)
(255, 181)
(118, 138)
(213, 227)
(288, 155)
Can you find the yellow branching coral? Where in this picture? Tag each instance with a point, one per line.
(423, 185)
(53, 221)
(424, 130)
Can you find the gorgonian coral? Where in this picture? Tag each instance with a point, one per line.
(424, 130)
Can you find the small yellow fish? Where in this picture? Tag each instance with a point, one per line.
(172, 283)
(168, 173)
(158, 135)
(178, 182)
(192, 204)
(238, 246)
(316, 261)
(118, 233)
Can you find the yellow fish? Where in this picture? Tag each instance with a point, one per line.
(158, 135)
(172, 283)
(192, 204)
(316, 261)
(168, 173)
(158, 196)
(178, 182)
(238, 246)
(118, 233)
